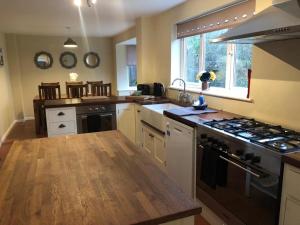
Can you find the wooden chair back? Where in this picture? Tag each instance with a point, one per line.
(93, 87)
(106, 90)
(76, 90)
(49, 91)
(101, 89)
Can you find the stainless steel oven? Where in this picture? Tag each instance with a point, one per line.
(238, 180)
(96, 118)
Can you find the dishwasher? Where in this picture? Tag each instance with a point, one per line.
(96, 118)
(180, 155)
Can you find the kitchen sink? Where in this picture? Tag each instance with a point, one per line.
(153, 114)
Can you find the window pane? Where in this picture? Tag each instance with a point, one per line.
(243, 62)
(132, 75)
(215, 58)
(192, 51)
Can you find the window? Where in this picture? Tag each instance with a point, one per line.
(230, 62)
(132, 75)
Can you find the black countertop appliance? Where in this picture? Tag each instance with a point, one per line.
(156, 89)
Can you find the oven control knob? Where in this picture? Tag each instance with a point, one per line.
(249, 156)
(239, 152)
(256, 159)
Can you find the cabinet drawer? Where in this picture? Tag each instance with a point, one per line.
(292, 181)
(60, 114)
(58, 128)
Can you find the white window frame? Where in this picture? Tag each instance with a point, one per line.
(229, 89)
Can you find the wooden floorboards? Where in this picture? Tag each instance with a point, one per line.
(26, 130)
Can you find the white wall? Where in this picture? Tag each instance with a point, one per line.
(26, 76)
(6, 101)
(275, 87)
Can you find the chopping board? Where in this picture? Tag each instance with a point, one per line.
(189, 111)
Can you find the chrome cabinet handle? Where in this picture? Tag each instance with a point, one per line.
(60, 114)
(61, 126)
(241, 167)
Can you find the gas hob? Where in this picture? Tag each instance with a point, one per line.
(273, 137)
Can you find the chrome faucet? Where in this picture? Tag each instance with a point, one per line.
(183, 96)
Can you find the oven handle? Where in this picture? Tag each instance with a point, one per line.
(241, 167)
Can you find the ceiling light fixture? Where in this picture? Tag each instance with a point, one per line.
(70, 43)
(77, 3)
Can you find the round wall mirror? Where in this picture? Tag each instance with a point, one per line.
(68, 60)
(43, 60)
(91, 59)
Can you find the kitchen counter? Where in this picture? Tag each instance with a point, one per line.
(195, 120)
(292, 159)
(40, 105)
(99, 178)
(110, 100)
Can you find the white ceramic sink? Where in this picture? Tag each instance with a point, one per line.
(153, 114)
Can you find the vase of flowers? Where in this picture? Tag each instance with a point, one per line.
(205, 78)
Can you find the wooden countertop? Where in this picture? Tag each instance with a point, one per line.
(194, 121)
(99, 178)
(65, 102)
(292, 159)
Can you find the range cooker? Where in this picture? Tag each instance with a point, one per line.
(239, 169)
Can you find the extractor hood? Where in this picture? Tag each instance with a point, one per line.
(281, 21)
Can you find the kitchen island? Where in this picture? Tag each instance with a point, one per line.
(39, 106)
(98, 178)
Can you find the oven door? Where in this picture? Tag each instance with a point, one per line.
(96, 122)
(236, 193)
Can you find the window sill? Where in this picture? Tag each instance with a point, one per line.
(213, 93)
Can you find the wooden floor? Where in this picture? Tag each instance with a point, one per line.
(20, 131)
(26, 130)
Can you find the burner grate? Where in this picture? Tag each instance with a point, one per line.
(273, 137)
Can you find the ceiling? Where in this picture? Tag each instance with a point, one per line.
(50, 17)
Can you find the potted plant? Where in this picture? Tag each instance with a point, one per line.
(205, 77)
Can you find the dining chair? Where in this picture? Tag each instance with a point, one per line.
(49, 91)
(93, 86)
(76, 89)
(106, 90)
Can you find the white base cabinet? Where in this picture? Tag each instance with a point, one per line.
(138, 125)
(290, 200)
(61, 121)
(180, 155)
(126, 120)
(154, 145)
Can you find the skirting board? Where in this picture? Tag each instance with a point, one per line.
(3, 138)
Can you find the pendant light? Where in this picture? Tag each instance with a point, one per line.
(70, 43)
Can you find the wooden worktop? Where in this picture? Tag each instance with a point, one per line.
(194, 121)
(70, 102)
(94, 179)
(292, 159)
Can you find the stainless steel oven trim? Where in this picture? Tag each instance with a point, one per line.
(241, 167)
(235, 164)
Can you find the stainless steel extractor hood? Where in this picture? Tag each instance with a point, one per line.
(281, 21)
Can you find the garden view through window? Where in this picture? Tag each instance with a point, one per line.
(230, 62)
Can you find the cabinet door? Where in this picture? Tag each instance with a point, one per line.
(126, 120)
(160, 150)
(180, 155)
(292, 212)
(148, 141)
(138, 126)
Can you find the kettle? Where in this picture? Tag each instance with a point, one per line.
(159, 90)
